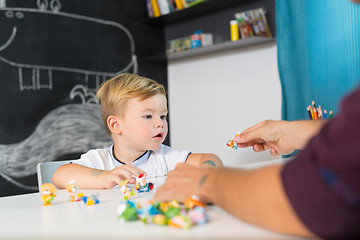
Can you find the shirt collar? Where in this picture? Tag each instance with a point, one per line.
(118, 162)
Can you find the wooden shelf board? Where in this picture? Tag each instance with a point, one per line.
(219, 47)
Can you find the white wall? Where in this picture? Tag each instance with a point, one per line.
(213, 96)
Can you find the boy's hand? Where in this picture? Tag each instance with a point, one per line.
(112, 178)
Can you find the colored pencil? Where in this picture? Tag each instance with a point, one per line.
(320, 112)
(309, 113)
(315, 113)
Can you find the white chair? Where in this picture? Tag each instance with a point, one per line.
(45, 171)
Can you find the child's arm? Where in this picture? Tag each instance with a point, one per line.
(93, 178)
(204, 160)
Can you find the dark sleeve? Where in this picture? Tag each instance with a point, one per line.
(323, 181)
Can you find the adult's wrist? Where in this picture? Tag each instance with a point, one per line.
(208, 185)
(304, 131)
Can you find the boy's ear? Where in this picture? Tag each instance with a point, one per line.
(114, 125)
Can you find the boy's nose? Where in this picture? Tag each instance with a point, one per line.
(159, 124)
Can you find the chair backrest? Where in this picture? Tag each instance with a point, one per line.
(45, 171)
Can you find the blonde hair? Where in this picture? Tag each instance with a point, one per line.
(116, 92)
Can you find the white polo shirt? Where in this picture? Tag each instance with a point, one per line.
(155, 163)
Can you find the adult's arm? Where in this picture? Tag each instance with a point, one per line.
(255, 196)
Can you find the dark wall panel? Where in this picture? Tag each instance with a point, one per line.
(53, 56)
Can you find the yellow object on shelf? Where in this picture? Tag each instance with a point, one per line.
(155, 8)
(234, 30)
(179, 4)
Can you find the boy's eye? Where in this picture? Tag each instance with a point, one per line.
(164, 117)
(147, 116)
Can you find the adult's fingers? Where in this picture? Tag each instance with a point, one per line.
(273, 152)
(254, 134)
(180, 184)
(253, 137)
(260, 147)
(165, 193)
(249, 139)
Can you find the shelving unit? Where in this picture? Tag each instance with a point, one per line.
(202, 8)
(210, 16)
(209, 49)
(219, 47)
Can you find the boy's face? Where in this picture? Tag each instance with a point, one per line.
(144, 126)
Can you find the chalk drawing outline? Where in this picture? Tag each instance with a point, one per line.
(11, 167)
(36, 84)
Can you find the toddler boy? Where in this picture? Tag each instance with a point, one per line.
(134, 111)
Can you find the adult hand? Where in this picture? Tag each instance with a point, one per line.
(281, 137)
(115, 176)
(183, 182)
(265, 135)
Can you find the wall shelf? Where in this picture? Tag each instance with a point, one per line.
(194, 11)
(219, 47)
(211, 16)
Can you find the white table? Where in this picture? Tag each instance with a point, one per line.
(24, 217)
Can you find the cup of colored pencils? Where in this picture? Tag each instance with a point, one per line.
(317, 113)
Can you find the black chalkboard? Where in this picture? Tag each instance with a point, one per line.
(53, 56)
